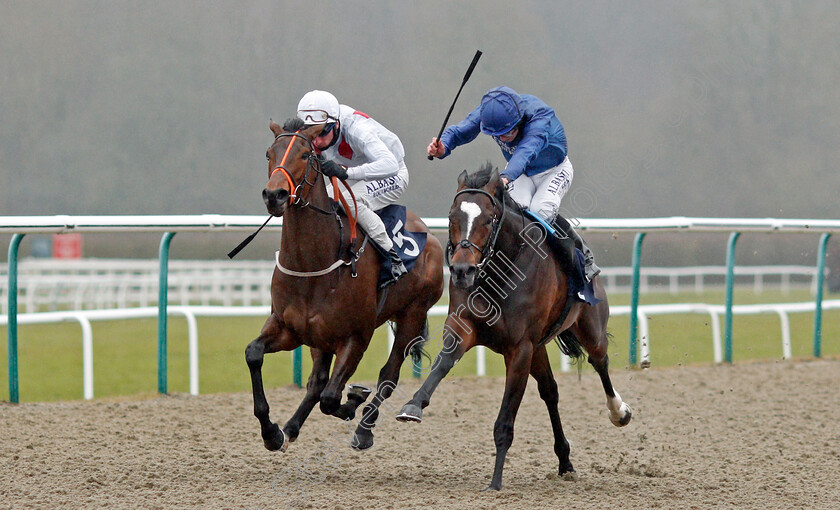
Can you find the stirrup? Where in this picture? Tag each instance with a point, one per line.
(393, 279)
(591, 269)
(398, 269)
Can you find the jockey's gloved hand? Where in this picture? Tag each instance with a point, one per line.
(332, 169)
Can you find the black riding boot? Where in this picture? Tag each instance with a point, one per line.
(398, 269)
(564, 227)
(591, 270)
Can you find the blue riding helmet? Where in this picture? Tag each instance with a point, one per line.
(500, 111)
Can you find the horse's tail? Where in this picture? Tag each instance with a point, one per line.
(570, 345)
(417, 350)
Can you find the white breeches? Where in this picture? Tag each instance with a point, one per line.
(542, 193)
(372, 196)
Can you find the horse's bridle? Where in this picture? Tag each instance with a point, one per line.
(296, 197)
(489, 246)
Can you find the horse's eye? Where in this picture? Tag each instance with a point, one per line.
(304, 156)
(267, 156)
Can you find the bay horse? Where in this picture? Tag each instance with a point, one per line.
(508, 292)
(332, 311)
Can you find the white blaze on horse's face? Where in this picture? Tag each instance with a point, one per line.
(473, 211)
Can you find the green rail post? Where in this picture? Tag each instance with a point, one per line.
(297, 366)
(14, 396)
(634, 298)
(163, 288)
(819, 298)
(730, 283)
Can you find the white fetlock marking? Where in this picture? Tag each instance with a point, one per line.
(618, 409)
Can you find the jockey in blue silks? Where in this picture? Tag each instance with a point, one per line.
(538, 173)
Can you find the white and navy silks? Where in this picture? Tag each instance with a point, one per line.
(376, 171)
(538, 166)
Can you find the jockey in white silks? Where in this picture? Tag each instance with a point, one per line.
(361, 151)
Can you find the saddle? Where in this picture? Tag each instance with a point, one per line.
(572, 263)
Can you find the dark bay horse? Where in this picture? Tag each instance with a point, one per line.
(508, 292)
(332, 311)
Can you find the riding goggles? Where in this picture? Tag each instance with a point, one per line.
(315, 116)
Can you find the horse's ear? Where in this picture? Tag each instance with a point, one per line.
(312, 131)
(494, 185)
(275, 128)
(462, 179)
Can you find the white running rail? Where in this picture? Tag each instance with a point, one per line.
(94, 284)
(85, 317)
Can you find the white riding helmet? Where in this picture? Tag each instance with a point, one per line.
(317, 107)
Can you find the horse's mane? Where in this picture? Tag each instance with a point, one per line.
(482, 176)
(293, 124)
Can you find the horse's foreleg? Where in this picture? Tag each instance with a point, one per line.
(347, 359)
(409, 332)
(457, 340)
(517, 365)
(620, 412)
(314, 386)
(273, 338)
(272, 435)
(541, 371)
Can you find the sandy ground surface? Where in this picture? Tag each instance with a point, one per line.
(762, 435)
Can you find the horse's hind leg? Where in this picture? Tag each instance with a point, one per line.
(272, 339)
(541, 371)
(591, 332)
(411, 330)
(314, 386)
(620, 412)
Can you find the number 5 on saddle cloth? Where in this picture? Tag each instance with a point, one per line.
(408, 245)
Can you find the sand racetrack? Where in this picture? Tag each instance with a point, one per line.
(752, 435)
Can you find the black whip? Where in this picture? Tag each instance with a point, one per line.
(247, 240)
(464, 82)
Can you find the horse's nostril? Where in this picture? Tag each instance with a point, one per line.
(464, 270)
(273, 196)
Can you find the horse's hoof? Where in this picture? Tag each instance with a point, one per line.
(329, 405)
(362, 439)
(278, 442)
(624, 419)
(357, 390)
(491, 487)
(291, 433)
(410, 412)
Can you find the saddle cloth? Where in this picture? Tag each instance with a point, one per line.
(408, 245)
(579, 289)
